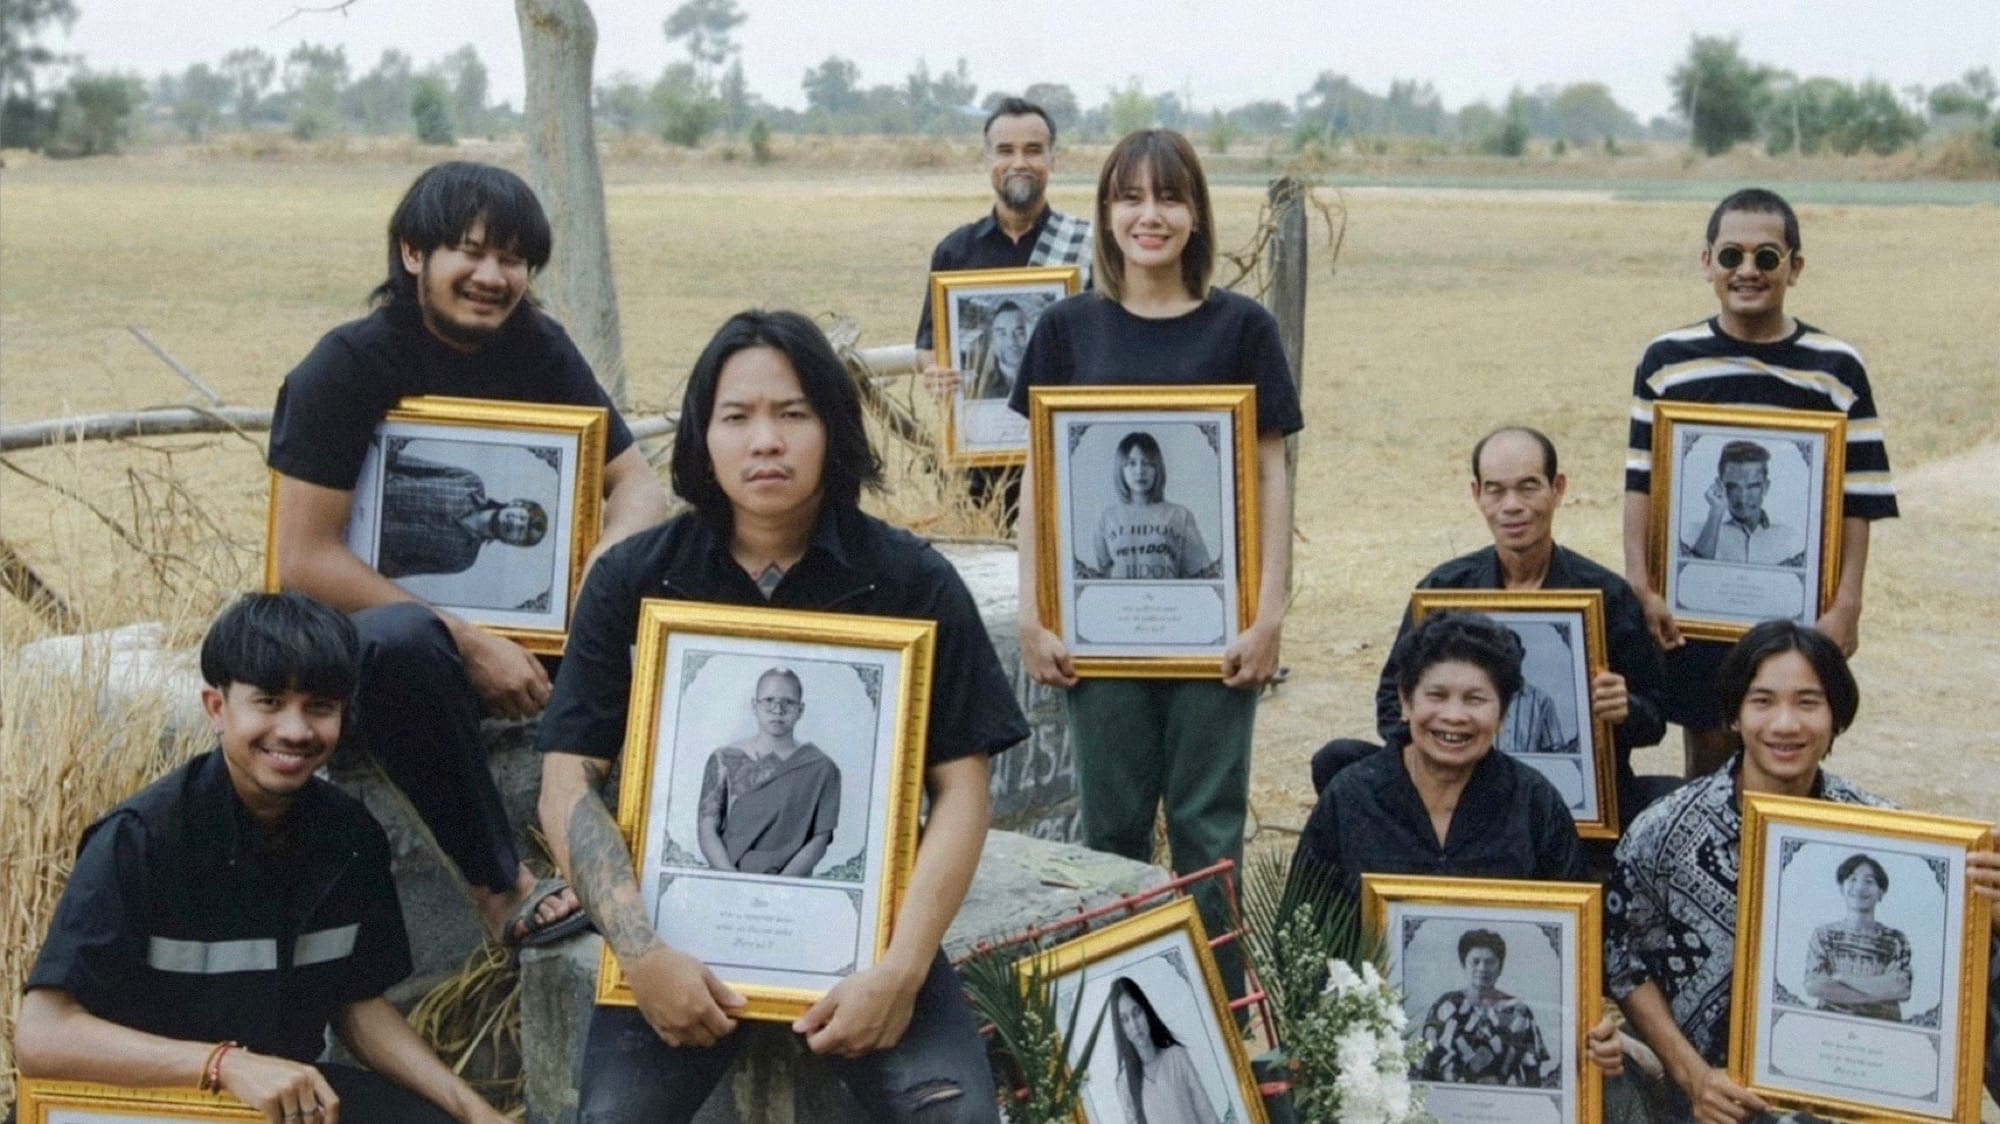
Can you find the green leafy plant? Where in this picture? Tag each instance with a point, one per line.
(1296, 919)
(1030, 1034)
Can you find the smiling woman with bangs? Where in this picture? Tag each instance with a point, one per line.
(1154, 321)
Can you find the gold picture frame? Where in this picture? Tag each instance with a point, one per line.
(979, 429)
(1163, 954)
(1420, 918)
(1543, 620)
(1796, 856)
(1117, 613)
(549, 455)
(781, 940)
(1791, 572)
(82, 1102)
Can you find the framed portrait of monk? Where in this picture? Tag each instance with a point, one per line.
(1145, 524)
(984, 318)
(1501, 981)
(1862, 957)
(486, 509)
(1746, 514)
(80, 1102)
(1549, 727)
(770, 785)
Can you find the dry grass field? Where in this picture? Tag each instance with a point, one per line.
(1449, 312)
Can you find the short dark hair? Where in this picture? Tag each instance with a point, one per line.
(1175, 168)
(1540, 438)
(1775, 638)
(538, 522)
(441, 206)
(1454, 636)
(1017, 107)
(1756, 200)
(851, 463)
(1482, 938)
(1743, 452)
(282, 642)
(1854, 862)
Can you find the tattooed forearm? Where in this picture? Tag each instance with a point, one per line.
(601, 872)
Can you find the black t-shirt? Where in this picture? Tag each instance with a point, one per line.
(855, 564)
(1090, 340)
(332, 401)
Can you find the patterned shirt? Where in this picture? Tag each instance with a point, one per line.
(1484, 1040)
(1670, 907)
(424, 508)
(1841, 950)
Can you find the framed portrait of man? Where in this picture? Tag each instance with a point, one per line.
(1549, 727)
(771, 780)
(1861, 970)
(1746, 513)
(80, 1102)
(1501, 980)
(1146, 524)
(1167, 1047)
(984, 318)
(486, 509)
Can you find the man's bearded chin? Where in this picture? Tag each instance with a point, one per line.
(1021, 192)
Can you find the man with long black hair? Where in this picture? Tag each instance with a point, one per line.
(452, 317)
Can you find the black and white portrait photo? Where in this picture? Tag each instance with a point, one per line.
(1161, 1052)
(767, 799)
(1148, 530)
(470, 521)
(990, 330)
(985, 319)
(1857, 961)
(1747, 523)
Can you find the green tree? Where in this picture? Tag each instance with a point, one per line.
(1222, 131)
(833, 87)
(685, 111)
(430, 110)
(733, 93)
(622, 103)
(1130, 108)
(466, 75)
(1584, 112)
(1510, 138)
(1870, 116)
(382, 99)
(21, 22)
(314, 77)
(1718, 91)
(1058, 101)
(1262, 118)
(199, 96)
(760, 141)
(94, 114)
(249, 72)
(1971, 96)
(706, 29)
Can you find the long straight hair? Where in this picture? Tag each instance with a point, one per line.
(1169, 161)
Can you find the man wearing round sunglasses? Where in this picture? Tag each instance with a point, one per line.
(1751, 353)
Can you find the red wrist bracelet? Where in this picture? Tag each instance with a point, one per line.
(211, 1071)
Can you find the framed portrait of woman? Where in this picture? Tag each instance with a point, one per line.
(80, 1102)
(1746, 513)
(1145, 524)
(1549, 727)
(484, 508)
(984, 318)
(1167, 1047)
(770, 785)
(1862, 957)
(1501, 980)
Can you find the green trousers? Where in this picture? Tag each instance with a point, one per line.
(1182, 743)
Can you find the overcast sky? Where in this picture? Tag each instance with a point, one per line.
(1222, 52)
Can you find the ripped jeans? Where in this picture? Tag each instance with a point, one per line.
(938, 1073)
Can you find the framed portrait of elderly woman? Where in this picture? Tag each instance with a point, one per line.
(1501, 980)
(983, 319)
(1746, 512)
(79, 1102)
(1549, 727)
(770, 784)
(487, 509)
(1167, 1046)
(1145, 524)
(1862, 956)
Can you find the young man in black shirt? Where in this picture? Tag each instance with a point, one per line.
(453, 317)
(773, 455)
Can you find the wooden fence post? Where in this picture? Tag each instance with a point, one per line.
(1287, 301)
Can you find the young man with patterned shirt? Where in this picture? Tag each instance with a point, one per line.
(1751, 353)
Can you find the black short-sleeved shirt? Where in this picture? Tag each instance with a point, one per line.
(1090, 340)
(1510, 823)
(855, 564)
(332, 401)
(176, 923)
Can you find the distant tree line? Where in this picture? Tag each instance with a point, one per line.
(1721, 99)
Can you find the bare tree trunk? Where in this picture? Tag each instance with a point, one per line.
(558, 48)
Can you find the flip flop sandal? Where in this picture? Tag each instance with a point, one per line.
(533, 933)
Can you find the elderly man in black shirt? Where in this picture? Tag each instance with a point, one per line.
(1517, 488)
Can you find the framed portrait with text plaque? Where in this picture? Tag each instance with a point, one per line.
(1862, 957)
(1746, 515)
(770, 785)
(83, 1102)
(984, 319)
(1146, 523)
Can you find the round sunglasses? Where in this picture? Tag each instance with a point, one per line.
(1768, 258)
